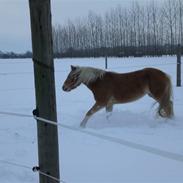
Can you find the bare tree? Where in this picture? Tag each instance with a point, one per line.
(147, 28)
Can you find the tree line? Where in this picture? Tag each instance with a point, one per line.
(7, 55)
(151, 29)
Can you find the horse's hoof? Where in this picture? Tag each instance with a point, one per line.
(108, 116)
(82, 126)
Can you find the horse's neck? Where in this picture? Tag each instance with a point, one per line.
(91, 86)
(89, 75)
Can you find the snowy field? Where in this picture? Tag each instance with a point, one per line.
(83, 158)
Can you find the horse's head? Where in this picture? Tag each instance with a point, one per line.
(72, 80)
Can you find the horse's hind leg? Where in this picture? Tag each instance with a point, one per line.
(160, 89)
(169, 109)
(165, 103)
(109, 109)
(96, 107)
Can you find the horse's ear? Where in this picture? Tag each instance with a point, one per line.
(73, 68)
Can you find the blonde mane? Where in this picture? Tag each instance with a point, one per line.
(89, 74)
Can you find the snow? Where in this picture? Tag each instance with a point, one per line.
(83, 158)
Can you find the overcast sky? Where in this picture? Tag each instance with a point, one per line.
(15, 20)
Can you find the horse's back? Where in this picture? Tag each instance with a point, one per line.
(158, 80)
(125, 87)
(155, 72)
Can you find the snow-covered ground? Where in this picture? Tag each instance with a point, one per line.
(83, 158)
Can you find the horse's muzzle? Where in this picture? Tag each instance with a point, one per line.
(65, 89)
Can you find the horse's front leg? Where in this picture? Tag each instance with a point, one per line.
(96, 107)
(109, 107)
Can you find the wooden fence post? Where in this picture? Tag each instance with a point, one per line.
(40, 15)
(106, 63)
(179, 66)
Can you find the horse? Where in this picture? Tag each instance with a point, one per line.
(111, 88)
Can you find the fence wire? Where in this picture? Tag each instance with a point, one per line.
(119, 67)
(30, 168)
(145, 148)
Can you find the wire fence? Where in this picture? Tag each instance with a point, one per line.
(119, 67)
(65, 71)
(149, 149)
(34, 169)
(126, 143)
(143, 65)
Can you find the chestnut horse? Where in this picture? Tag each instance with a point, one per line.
(111, 88)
